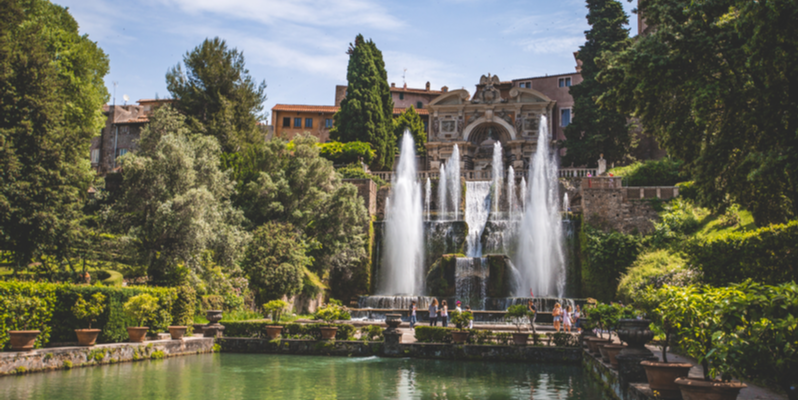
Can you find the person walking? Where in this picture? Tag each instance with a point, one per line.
(412, 320)
(470, 321)
(557, 317)
(444, 313)
(566, 316)
(576, 318)
(532, 310)
(433, 309)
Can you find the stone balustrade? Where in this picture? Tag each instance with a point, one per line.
(486, 175)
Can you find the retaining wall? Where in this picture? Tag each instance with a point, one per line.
(610, 380)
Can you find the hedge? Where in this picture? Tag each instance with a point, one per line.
(663, 172)
(255, 329)
(347, 153)
(767, 255)
(604, 258)
(433, 334)
(58, 324)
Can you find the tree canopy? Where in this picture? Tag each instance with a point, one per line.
(51, 97)
(594, 130)
(366, 111)
(217, 93)
(410, 120)
(715, 82)
(276, 260)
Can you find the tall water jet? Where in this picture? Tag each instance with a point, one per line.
(566, 202)
(540, 257)
(454, 181)
(523, 193)
(442, 193)
(428, 199)
(402, 267)
(478, 204)
(497, 174)
(513, 205)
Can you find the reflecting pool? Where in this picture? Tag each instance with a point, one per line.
(261, 376)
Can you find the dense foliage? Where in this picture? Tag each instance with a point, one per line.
(410, 120)
(606, 256)
(256, 329)
(367, 108)
(654, 268)
(275, 309)
(356, 171)
(218, 95)
(174, 206)
(89, 310)
(607, 316)
(766, 255)
(433, 334)
(346, 153)
(51, 97)
(703, 81)
(595, 131)
(275, 261)
(141, 308)
(663, 172)
(332, 311)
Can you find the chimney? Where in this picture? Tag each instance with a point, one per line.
(392, 84)
(444, 89)
(404, 85)
(427, 86)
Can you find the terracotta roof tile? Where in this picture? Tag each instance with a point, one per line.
(414, 90)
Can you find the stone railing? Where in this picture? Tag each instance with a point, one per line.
(486, 175)
(576, 172)
(651, 192)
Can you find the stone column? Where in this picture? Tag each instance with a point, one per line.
(214, 328)
(636, 333)
(392, 337)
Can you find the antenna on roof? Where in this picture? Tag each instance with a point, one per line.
(126, 98)
(115, 93)
(404, 76)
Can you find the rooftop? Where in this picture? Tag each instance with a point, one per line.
(328, 109)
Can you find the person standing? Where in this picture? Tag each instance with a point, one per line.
(566, 316)
(413, 312)
(433, 309)
(532, 317)
(557, 317)
(470, 321)
(576, 318)
(458, 305)
(444, 313)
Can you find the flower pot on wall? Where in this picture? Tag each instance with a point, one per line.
(603, 353)
(87, 337)
(699, 389)
(177, 332)
(328, 332)
(594, 342)
(22, 340)
(274, 331)
(136, 334)
(661, 377)
(612, 350)
(520, 339)
(460, 336)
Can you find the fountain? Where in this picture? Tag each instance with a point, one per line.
(428, 199)
(497, 174)
(454, 181)
(442, 193)
(513, 206)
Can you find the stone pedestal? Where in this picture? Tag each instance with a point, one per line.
(636, 333)
(213, 329)
(392, 336)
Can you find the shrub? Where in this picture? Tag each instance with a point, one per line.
(347, 153)
(519, 315)
(141, 308)
(767, 255)
(606, 256)
(688, 191)
(433, 334)
(663, 172)
(275, 260)
(332, 311)
(564, 339)
(356, 171)
(184, 308)
(372, 333)
(11, 319)
(90, 310)
(655, 268)
(275, 309)
(677, 220)
(212, 302)
(461, 319)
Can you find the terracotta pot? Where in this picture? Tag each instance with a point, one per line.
(520, 339)
(87, 337)
(661, 377)
(328, 332)
(593, 342)
(698, 389)
(136, 334)
(177, 332)
(274, 331)
(22, 340)
(603, 354)
(460, 336)
(612, 350)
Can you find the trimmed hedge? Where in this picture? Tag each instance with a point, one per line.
(433, 334)
(767, 255)
(663, 172)
(58, 324)
(256, 329)
(39, 319)
(346, 153)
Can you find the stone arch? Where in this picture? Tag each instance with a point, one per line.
(499, 121)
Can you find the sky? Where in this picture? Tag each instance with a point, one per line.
(298, 46)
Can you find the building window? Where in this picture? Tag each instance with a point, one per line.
(287, 122)
(121, 152)
(328, 123)
(298, 122)
(560, 82)
(95, 156)
(402, 95)
(522, 84)
(419, 104)
(309, 122)
(566, 116)
(527, 85)
(568, 81)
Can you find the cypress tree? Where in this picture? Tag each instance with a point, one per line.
(410, 120)
(366, 111)
(596, 131)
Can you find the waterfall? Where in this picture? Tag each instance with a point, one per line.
(497, 174)
(523, 193)
(540, 256)
(442, 192)
(402, 267)
(454, 181)
(566, 202)
(471, 277)
(513, 206)
(428, 199)
(478, 203)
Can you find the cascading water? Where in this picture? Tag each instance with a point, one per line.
(497, 174)
(402, 267)
(471, 275)
(513, 205)
(454, 181)
(566, 202)
(442, 193)
(478, 203)
(523, 193)
(540, 256)
(428, 199)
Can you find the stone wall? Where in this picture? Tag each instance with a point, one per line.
(368, 191)
(46, 359)
(605, 202)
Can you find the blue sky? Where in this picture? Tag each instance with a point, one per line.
(298, 46)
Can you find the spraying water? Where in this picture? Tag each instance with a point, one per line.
(497, 174)
(540, 256)
(454, 181)
(478, 204)
(513, 205)
(402, 267)
(428, 199)
(523, 193)
(442, 193)
(566, 202)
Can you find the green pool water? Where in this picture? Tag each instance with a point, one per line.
(260, 376)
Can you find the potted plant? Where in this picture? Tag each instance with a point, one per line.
(600, 316)
(661, 376)
(519, 316)
(88, 311)
(140, 308)
(461, 320)
(693, 312)
(329, 313)
(20, 310)
(275, 309)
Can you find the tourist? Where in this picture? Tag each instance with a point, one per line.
(566, 316)
(444, 313)
(470, 321)
(458, 306)
(433, 309)
(576, 318)
(413, 312)
(532, 317)
(557, 317)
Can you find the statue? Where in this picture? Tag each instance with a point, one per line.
(489, 94)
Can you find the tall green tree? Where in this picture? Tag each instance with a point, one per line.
(716, 82)
(366, 111)
(276, 261)
(410, 120)
(595, 130)
(217, 93)
(174, 206)
(51, 97)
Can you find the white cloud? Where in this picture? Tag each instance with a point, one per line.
(420, 70)
(553, 45)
